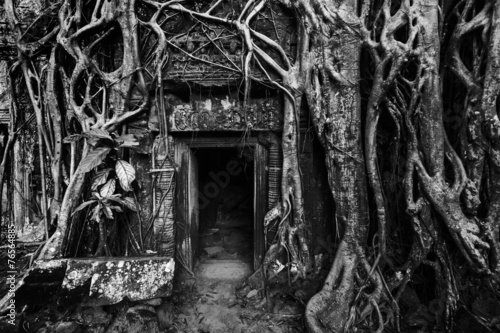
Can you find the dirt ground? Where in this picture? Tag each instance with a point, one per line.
(207, 304)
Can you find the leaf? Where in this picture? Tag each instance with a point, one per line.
(127, 140)
(127, 202)
(98, 133)
(108, 189)
(93, 141)
(107, 211)
(125, 173)
(72, 138)
(93, 159)
(96, 213)
(100, 178)
(83, 205)
(130, 203)
(116, 208)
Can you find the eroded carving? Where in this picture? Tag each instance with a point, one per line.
(216, 114)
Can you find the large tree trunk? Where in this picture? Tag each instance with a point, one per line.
(489, 106)
(56, 244)
(340, 129)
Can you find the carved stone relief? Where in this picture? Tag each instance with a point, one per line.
(217, 114)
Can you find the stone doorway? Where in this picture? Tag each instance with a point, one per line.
(221, 200)
(225, 203)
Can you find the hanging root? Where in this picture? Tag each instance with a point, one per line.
(285, 242)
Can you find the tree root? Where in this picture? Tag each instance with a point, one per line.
(329, 309)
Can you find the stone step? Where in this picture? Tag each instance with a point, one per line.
(223, 270)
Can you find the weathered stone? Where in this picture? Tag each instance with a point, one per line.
(252, 293)
(244, 291)
(275, 329)
(135, 321)
(113, 280)
(226, 271)
(95, 316)
(283, 307)
(77, 274)
(95, 329)
(28, 9)
(277, 305)
(50, 265)
(153, 301)
(67, 327)
(212, 250)
(141, 308)
(292, 308)
(232, 302)
(301, 294)
(255, 281)
(165, 315)
(4, 96)
(40, 283)
(225, 113)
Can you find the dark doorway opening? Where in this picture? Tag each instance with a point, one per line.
(226, 203)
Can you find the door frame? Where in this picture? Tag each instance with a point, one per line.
(260, 188)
